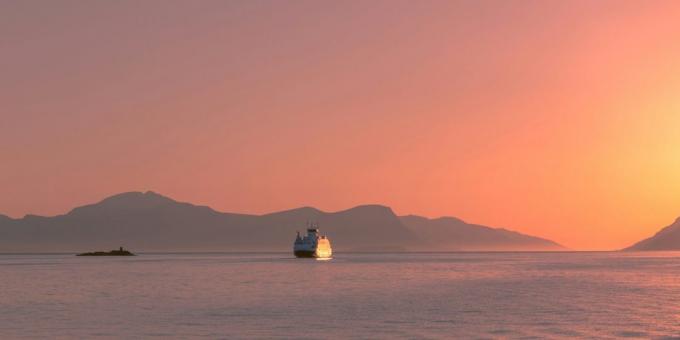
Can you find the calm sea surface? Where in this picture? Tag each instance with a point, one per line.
(445, 295)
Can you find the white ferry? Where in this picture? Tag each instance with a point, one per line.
(312, 245)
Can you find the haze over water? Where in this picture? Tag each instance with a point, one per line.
(427, 295)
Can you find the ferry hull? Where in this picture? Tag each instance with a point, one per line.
(311, 254)
(305, 253)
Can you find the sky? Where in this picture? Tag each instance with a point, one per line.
(559, 119)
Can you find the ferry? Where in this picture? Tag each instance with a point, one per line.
(312, 245)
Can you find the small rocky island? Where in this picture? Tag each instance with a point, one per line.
(119, 252)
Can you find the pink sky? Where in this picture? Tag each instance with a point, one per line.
(557, 119)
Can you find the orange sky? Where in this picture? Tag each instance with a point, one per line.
(557, 119)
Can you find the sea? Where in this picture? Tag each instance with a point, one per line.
(494, 295)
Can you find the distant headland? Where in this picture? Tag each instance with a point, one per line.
(667, 239)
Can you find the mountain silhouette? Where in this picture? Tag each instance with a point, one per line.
(450, 233)
(667, 238)
(152, 222)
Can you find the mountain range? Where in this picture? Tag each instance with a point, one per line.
(147, 221)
